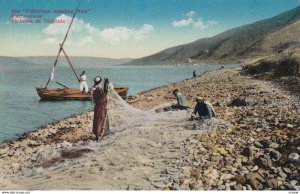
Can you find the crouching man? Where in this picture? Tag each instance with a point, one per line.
(204, 109)
(180, 105)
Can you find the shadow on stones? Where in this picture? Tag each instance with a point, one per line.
(71, 154)
(64, 154)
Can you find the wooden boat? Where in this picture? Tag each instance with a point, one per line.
(68, 93)
(71, 94)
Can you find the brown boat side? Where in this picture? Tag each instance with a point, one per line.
(71, 94)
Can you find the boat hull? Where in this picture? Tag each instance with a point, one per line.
(71, 94)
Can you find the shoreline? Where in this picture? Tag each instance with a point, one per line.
(205, 72)
(72, 141)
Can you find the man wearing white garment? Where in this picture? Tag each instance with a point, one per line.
(83, 84)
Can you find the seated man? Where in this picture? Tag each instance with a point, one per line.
(203, 108)
(181, 101)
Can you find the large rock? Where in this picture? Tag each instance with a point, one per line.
(255, 180)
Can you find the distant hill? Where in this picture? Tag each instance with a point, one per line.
(49, 60)
(7, 63)
(13, 61)
(259, 39)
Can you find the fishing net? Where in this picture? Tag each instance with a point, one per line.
(127, 121)
(123, 116)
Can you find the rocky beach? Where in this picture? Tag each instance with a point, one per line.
(252, 144)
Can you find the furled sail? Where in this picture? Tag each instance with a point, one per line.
(52, 74)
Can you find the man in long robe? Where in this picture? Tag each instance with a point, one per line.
(100, 111)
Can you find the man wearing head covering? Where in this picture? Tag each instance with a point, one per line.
(181, 101)
(100, 111)
(203, 108)
(194, 73)
(83, 84)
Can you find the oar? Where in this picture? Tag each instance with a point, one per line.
(62, 85)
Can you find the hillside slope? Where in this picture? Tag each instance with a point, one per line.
(234, 45)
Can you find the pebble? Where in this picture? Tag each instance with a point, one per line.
(4, 150)
(255, 168)
(294, 157)
(249, 187)
(293, 182)
(240, 179)
(257, 144)
(15, 167)
(272, 183)
(287, 170)
(274, 145)
(226, 176)
(39, 170)
(28, 150)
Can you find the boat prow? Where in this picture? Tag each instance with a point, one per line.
(122, 91)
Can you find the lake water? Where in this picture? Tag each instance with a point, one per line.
(21, 109)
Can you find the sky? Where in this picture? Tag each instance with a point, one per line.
(122, 28)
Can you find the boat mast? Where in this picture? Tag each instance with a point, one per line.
(62, 44)
(63, 50)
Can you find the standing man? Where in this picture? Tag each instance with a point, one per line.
(83, 84)
(194, 73)
(100, 110)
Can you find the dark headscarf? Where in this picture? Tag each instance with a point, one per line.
(175, 91)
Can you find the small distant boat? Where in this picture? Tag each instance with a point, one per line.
(71, 94)
(68, 93)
